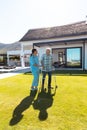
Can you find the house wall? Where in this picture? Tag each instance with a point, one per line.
(86, 55)
(55, 56)
(41, 51)
(54, 39)
(29, 43)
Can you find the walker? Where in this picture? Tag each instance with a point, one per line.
(53, 83)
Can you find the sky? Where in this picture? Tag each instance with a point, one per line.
(18, 16)
(73, 54)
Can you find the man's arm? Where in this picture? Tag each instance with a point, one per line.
(52, 59)
(42, 60)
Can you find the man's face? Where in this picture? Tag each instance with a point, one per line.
(47, 51)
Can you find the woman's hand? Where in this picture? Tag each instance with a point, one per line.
(36, 65)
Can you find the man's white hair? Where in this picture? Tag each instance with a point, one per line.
(48, 48)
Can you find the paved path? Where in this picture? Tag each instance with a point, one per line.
(13, 72)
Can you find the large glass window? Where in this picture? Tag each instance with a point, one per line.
(1, 58)
(73, 57)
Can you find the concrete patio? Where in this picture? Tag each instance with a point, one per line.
(5, 73)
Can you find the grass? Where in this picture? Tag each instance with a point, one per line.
(66, 110)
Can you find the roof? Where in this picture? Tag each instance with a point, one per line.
(75, 29)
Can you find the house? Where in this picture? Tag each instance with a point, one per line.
(68, 44)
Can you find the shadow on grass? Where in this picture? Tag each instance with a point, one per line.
(43, 101)
(24, 104)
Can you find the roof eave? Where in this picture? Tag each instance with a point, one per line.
(61, 36)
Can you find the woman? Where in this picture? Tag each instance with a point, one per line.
(34, 64)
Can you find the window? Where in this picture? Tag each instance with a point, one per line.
(1, 59)
(73, 57)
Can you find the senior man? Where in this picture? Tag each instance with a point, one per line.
(47, 61)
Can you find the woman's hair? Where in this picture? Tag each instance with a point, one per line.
(33, 50)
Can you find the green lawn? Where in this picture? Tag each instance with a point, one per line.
(66, 110)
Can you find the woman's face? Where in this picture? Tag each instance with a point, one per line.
(35, 52)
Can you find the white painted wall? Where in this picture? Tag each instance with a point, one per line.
(41, 51)
(30, 43)
(55, 56)
(17, 52)
(69, 45)
(86, 55)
